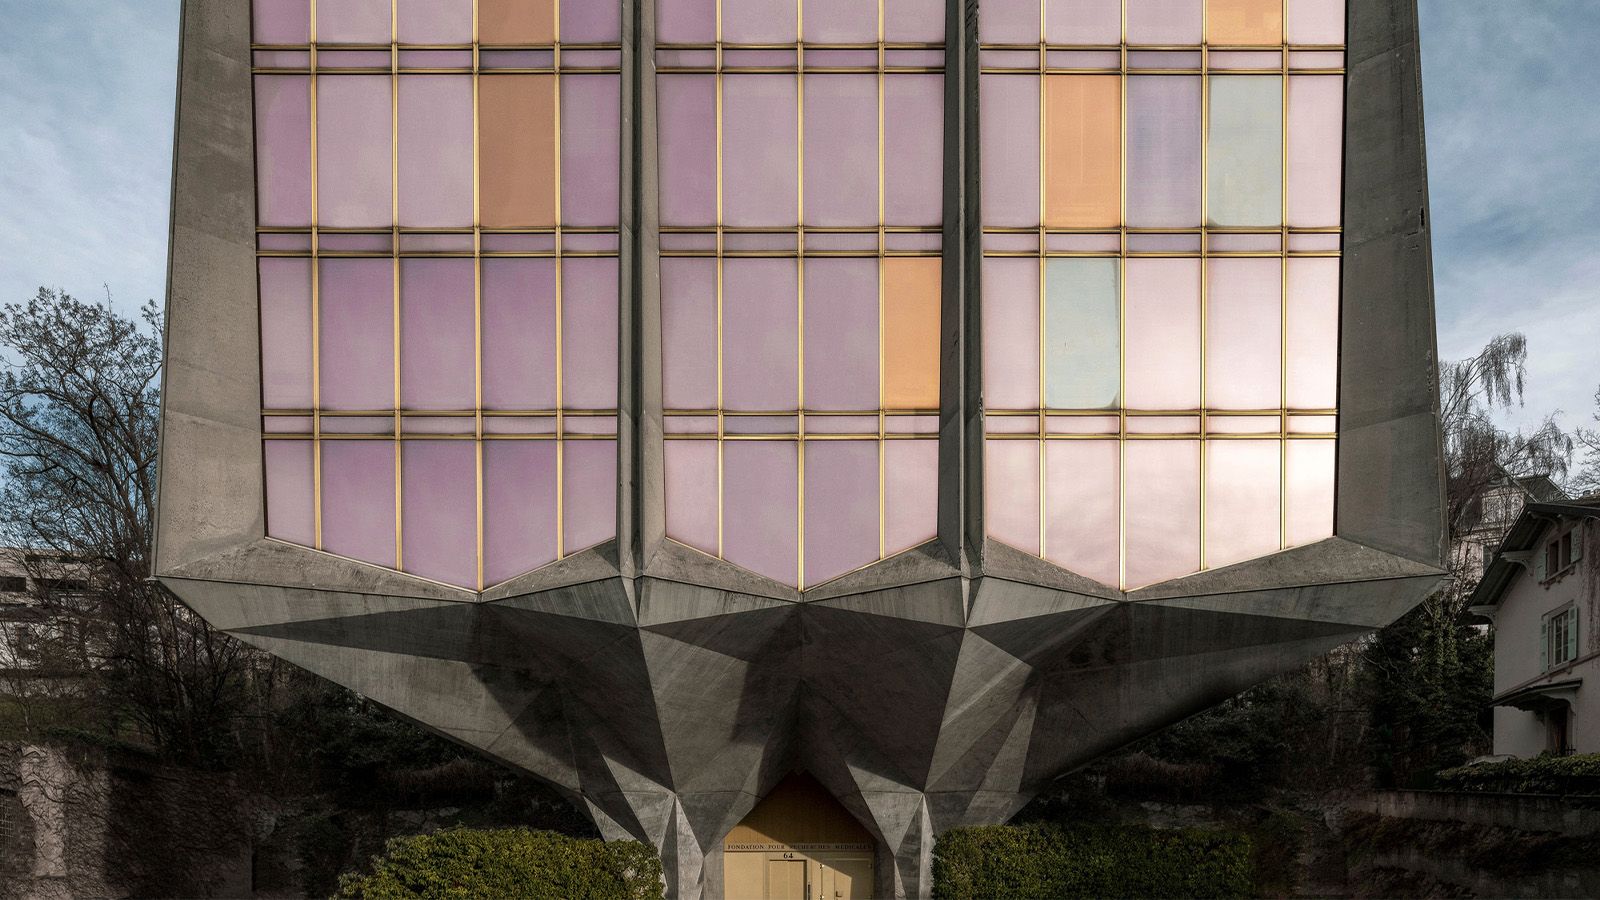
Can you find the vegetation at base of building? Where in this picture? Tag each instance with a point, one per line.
(511, 862)
(1045, 860)
(1567, 775)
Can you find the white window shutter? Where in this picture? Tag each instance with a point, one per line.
(1540, 557)
(1544, 644)
(1577, 541)
(1572, 634)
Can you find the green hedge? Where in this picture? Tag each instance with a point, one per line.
(1044, 860)
(513, 862)
(1539, 775)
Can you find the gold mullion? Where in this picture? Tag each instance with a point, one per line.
(561, 400)
(882, 253)
(477, 295)
(1122, 327)
(316, 302)
(1205, 267)
(720, 242)
(394, 273)
(1044, 174)
(1283, 292)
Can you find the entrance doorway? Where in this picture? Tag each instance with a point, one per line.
(798, 844)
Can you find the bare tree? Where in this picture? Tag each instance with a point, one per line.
(1587, 481)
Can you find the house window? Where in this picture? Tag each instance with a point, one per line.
(1560, 554)
(13, 584)
(1560, 637)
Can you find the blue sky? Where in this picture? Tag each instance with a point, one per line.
(1513, 139)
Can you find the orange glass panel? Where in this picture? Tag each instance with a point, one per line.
(517, 150)
(517, 21)
(1253, 22)
(1083, 150)
(911, 332)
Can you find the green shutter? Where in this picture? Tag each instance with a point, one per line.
(1572, 634)
(1544, 644)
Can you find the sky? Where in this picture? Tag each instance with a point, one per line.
(86, 101)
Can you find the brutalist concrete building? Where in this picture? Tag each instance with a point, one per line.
(795, 428)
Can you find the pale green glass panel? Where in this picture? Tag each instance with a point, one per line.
(1082, 343)
(1245, 151)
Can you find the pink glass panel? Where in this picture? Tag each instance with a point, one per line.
(591, 21)
(841, 507)
(914, 20)
(283, 150)
(841, 22)
(1082, 516)
(760, 339)
(1316, 21)
(689, 333)
(1163, 331)
(1310, 488)
(353, 21)
(841, 334)
(1011, 333)
(1162, 491)
(519, 329)
(357, 337)
(589, 333)
(691, 493)
(910, 493)
(913, 137)
(290, 512)
(1244, 308)
(686, 21)
(286, 333)
(761, 507)
(1009, 109)
(759, 22)
(436, 138)
(589, 493)
(1009, 21)
(1011, 493)
(281, 21)
(358, 500)
(1164, 21)
(1083, 21)
(434, 21)
(438, 344)
(841, 158)
(354, 151)
(1316, 149)
(760, 165)
(591, 148)
(1163, 151)
(687, 108)
(519, 507)
(1313, 333)
(439, 510)
(1241, 500)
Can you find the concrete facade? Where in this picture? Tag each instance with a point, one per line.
(666, 692)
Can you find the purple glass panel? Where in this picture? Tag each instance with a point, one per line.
(519, 507)
(687, 108)
(353, 21)
(286, 333)
(436, 138)
(760, 517)
(686, 21)
(591, 21)
(589, 333)
(588, 493)
(760, 166)
(840, 22)
(841, 158)
(1164, 21)
(1162, 369)
(354, 151)
(1312, 333)
(1082, 514)
(1162, 491)
(841, 507)
(1011, 333)
(281, 21)
(691, 493)
(358, 500)
(913, 137)
(1244, 309)
(590, 148)
(1009, 22)
(1316, 150)
(759, 22)
(1316, 21)
(291, 515)
(1163, 151)
(914, 20)
(910, 494)
(689, 333)
(1009, 109)
(283, 150)
(357, 336)
(760, 340)
(1011, 493)
(519, 334)
(439, 510)
(841, 334)
(1310, 491)
(1083, 22)
(1241, 500)
(434, 21)
(438, 344)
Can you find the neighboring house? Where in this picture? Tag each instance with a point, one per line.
(40, 650)
(1542, 591)
(1481, 527)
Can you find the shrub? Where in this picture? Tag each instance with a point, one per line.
(1540, 775)
(1043, 860)
(512, 862)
